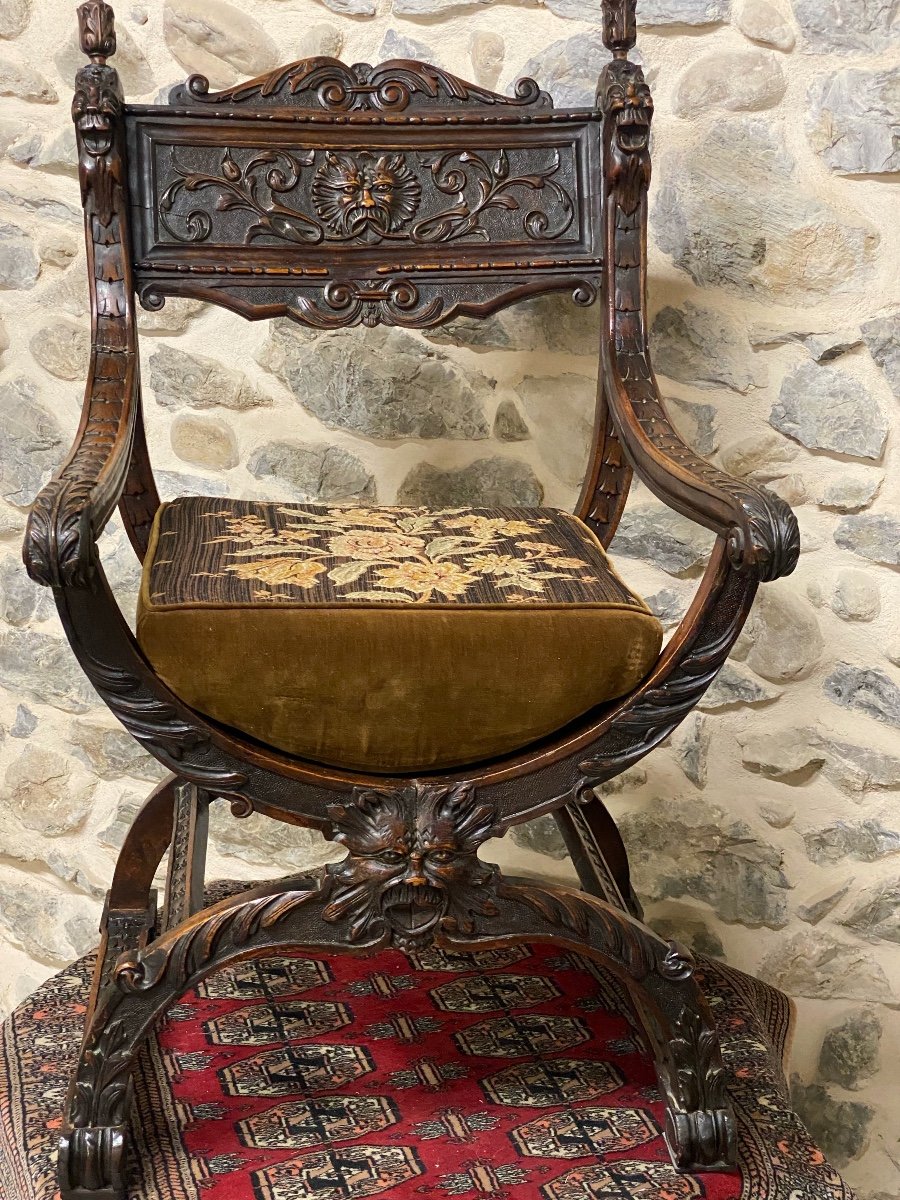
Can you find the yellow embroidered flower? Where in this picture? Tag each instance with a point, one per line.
(540, 547)
(297, 572)
(481, 526)
(374, 545)
(424, 578)
(497, 564)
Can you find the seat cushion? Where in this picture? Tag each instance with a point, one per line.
(388, 639)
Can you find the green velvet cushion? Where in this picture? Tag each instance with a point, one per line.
(388, 639)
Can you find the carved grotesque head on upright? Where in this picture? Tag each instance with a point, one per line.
(363, 194)
(412, 867)
(629, 106)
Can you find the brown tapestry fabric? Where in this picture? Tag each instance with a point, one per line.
(233, 1097)
(388, 639)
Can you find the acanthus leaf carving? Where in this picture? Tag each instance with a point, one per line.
(412, 869)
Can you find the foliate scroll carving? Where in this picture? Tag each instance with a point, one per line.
(97, 30)
(366, 197)
(762, 531)
(699, 1123)
(412, 869)
(334, 87)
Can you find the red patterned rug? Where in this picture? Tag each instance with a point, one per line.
(509, 1074)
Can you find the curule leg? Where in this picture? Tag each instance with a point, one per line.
(91, 1159)
(597, 851)
(187, 858)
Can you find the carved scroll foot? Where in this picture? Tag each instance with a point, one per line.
(92, 1162)
(701, 1141)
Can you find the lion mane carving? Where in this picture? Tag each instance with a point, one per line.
(365, 195)
(412, 867)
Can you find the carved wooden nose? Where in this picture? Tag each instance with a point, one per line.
(415, 876)
(367, 201)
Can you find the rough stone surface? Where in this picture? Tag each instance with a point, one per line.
(866, 690)
(759, 456)
(699, 346)
(112, 753)
(21, 600)
(826, 409)
(849, 1053)
(663, 537)
(488, 482)
(19, 265)
(25, 723)
(690, 848)
(785, 754)
(668, 605)
(182, 380)
(876, 913)
(847, 26)
(823, 346)
(30, 441)
(50, 926)
(560, 410)
(62, 349)
(694, 934)
(174, 316)
(548, 323)
(14, 17)
(691, 745)
(130, 62)
(697, 424)
(882, 336)
(217, 40)
(42, 667)
(21, 81)
(813, 963)
(569, 69)
(43, 794)
(840, 1127)
(55, 153)
(205, 441)
(867, 841)
(742, 80)
(542, 836)
(854, 122)
(257, 840)
(400, 45)
(322, 40)
(386, 385)
(313, 470)
(735, 685)
(777, 813)
(855, 488)
(713, 215)
(767, 23)
(875, 536)
(856, 597)
(860, 769)
(487, 51)
(509, 424)
(684, 12)
(781, 640)
(816, 907)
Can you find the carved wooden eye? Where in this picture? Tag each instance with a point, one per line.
(441, 856)
(391, 856)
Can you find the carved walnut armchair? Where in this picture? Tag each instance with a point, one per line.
(408, 682)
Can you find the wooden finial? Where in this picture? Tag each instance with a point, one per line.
(619, 26)
(97, 30)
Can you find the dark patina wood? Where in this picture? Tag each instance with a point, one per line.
(392, 194)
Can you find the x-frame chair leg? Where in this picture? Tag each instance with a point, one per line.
(598, 852)
(323, 913)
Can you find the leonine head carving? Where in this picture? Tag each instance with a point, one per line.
(412, 867)
(629, 105)
(364, 194)
(95, 106)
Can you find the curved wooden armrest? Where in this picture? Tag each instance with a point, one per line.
(760, 529)
(71, 511)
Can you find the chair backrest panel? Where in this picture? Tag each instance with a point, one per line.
(344, 194)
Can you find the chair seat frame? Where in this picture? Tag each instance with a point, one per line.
(412, 876)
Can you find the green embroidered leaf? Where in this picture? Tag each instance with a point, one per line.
(348, 572)
(529, 583)
(446, 545)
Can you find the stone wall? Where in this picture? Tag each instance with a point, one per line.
(767, 831)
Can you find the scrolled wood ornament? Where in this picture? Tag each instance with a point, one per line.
(619, 26)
